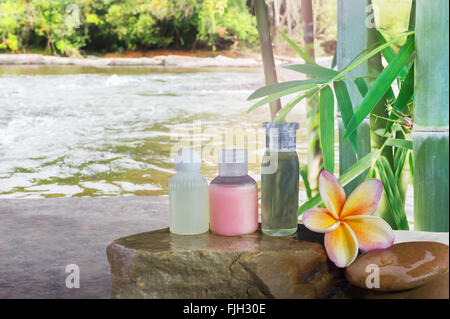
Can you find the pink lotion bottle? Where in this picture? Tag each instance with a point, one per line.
(233, 196)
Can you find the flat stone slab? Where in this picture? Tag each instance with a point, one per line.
(159, 264)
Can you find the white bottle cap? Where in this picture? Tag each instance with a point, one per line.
(187, 160)
(233, 162)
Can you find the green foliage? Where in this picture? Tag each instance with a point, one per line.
(11, 19)
(330, 77)
(326, 113)
(305, 56)
(390, 186)
(132, 25)
(346, 108)
(226, 20)
(66, 26)
(312, 70)
(398, 70)
(237, 21)
(380, 86)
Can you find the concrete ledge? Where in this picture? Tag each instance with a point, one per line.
(40, 237)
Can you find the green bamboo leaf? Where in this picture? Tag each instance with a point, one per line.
(359, 167)
(361, 54)
(334, 61)
(406, 91)
(397, 157)
(392, 193)
(390, 96)
(326, 113)
(368, 56)
(399, 163)
(406, 144)
(361, 84)
(305, 56)
(411, 165)
(277, 95)
(314, 110)
(313, 70)
(372, 173)
(380, 87)
(382, 132)
(278, 87)
(353, 172)
(346, 109)
(304, 175)
(313, 202)
(288, 107)
(404, 96)
(389, 54)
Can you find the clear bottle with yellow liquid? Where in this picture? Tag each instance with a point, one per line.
(188, 196)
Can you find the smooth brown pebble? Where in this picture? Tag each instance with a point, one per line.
(435, 289)
(402, 266)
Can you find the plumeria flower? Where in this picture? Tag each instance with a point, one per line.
(348, 223)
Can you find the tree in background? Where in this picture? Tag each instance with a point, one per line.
(265, 40)
(357, 98)
(308, 26)
(105, 26)
(315, 160)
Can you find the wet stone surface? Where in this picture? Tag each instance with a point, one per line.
(40, 237)
(162, 265)
(435, 289)
(403, 266)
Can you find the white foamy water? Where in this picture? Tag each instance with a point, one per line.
(68, 131)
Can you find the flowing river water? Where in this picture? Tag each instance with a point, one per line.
(77, 131)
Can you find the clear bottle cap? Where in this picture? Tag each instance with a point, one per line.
(233, 162)
(187, 160)
(281, 136)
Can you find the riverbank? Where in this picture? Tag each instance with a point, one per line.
(175, 61)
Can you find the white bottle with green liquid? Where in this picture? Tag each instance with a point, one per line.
(188, 196)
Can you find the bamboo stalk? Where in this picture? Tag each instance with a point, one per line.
(265, 40)
(431, 113)
(352, 39)
(308, 26)
(315, 158)
(377, 122)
